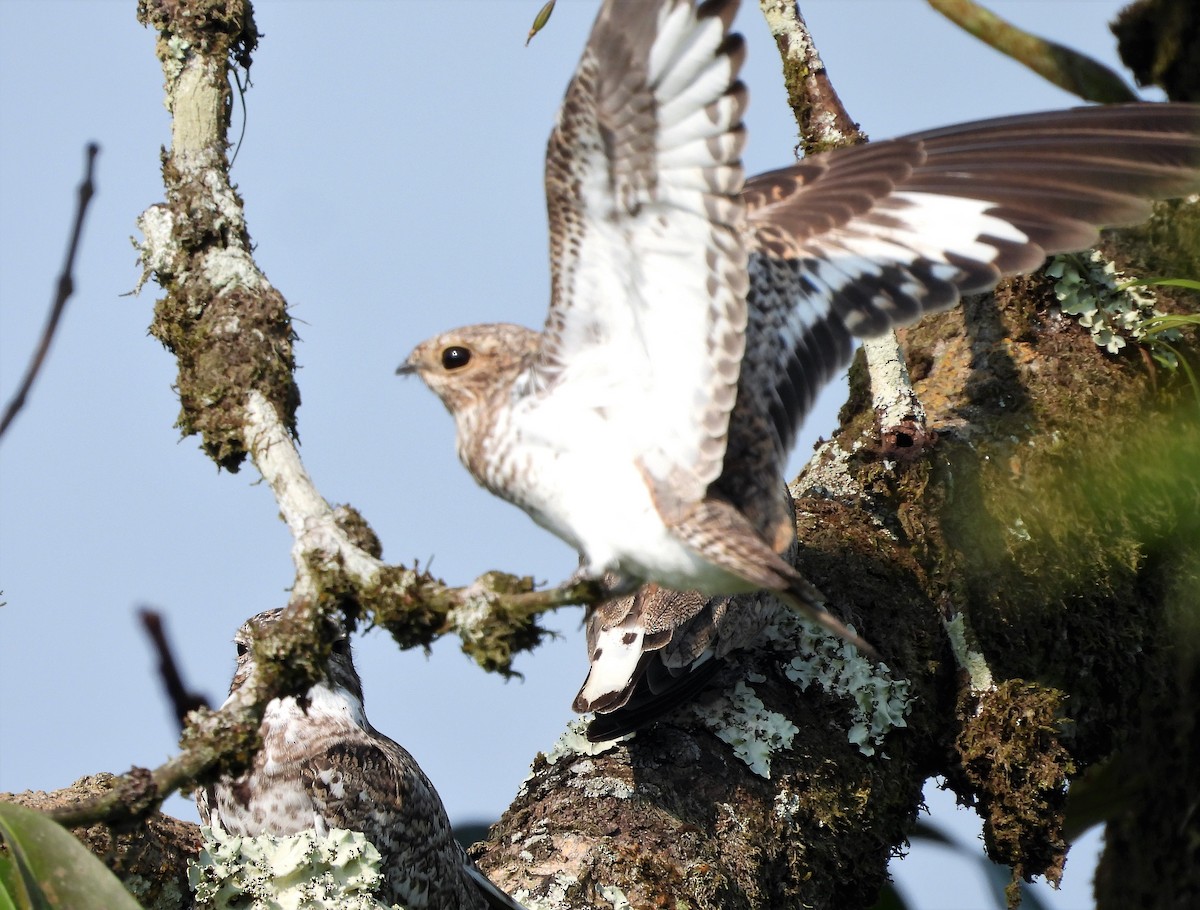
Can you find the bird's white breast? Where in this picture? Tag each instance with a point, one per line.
(563, 460)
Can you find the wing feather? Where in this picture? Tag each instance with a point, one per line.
(648, 256)
(857, 241)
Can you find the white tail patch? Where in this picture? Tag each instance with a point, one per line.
(615, 661)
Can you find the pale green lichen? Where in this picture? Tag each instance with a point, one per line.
(1091, 287)
(574, 741)
(740, 719)
(787, 804)
(302, 872)
(879, 702)
(973, 662)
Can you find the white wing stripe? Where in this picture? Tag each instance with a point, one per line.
(700, 125)
(695, 99)
(940, 222)
(674, 22)
(677, 64)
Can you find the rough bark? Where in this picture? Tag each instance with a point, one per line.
(150, 856)
(1029, 575)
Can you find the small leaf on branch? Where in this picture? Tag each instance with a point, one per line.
(540, 20)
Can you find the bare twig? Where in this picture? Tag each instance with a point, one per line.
(1077, 73)
(65, 287)
(183, 700)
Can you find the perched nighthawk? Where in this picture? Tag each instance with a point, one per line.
(322, 765)
(694, 314)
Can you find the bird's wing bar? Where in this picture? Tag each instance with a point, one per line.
(860, 240)
(951, 211)
(648, 262)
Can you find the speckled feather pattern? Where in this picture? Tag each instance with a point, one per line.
(695, 315)
(322, 766)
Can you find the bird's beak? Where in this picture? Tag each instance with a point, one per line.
(406, 369)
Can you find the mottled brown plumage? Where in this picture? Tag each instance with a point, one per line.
(322, 766)
(695, 315)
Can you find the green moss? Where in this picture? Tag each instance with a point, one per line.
(1011, 750)
(416, 609)
(227, 344)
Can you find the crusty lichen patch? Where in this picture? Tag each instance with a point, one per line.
(755, 733)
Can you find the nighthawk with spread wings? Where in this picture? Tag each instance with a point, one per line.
(322, 766)
(695, 313)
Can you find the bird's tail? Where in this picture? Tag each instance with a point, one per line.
(804, 598)
(724, 536)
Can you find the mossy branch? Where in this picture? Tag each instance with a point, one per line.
(1077, 73)
(292, 658)
(820, 115)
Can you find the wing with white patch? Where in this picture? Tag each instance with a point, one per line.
(856, 241)
(648, 258)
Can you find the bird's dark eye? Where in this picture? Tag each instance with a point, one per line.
(242, 649)
(341, 646)
(456, 357)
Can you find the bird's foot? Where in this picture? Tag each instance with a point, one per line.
(596, 590)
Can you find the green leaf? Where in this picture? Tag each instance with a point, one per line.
(1189, 283)
(6, 901)
(45, 868)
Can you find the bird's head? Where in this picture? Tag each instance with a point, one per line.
(340, 671)
(466, 367)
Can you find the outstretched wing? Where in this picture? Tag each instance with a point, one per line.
(856, 241)
(647, 249)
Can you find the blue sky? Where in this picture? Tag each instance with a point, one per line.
(391, 169)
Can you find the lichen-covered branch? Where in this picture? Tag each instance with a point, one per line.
(823, 121)
(756, 797)
(825, 124)
(232, 337)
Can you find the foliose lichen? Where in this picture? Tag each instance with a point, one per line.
(1091, 287)
(879, 702)
(303, 872)
(755, 733)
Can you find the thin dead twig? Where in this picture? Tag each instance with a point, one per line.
(65, 287)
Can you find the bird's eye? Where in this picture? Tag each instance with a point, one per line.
(456, 357)
(242, 648)
(341, 646)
